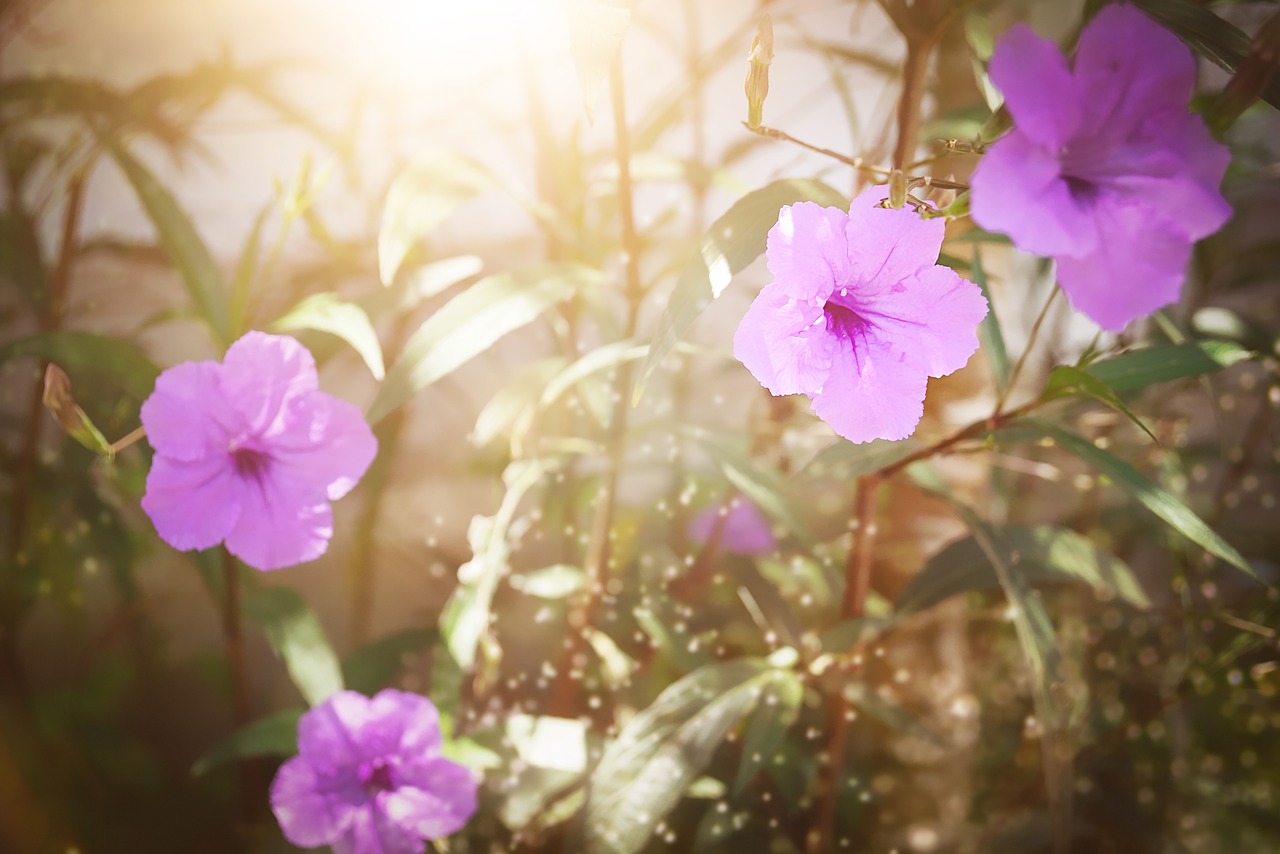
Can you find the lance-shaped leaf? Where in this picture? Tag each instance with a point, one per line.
(296, 636)
(596, 29)
(735, 240)
(992, 336)
(348, 321)
(473, 321)
(777, 710)
(1067, 380)
(1138, 369)
(274, 735)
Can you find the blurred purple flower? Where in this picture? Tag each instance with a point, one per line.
(1105, 170)
(858, 315)
(745, 531)
(369, 777)
(248, 451)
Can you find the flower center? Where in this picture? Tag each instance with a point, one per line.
(375, 776)
(250, 463)
(1082, 190)
(843, 321)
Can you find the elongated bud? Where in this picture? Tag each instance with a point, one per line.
(758, 60)
(70, 417)
(897, 189)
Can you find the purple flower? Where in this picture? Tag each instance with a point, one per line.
(1105, 170)
(248, 451)
(744, 530)
(369, 777)
(858, 315)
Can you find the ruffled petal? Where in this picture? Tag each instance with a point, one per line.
(1018, 190)
(873, 393)
(327, 734)
(806, 251)
(784, 343)
(372, 832)
(262, 374)
(307, 813)
(284, 522)
(324, 442)
(417, 722)
(1136, 268)
(435, 799)
(932, 317)
(887, 245)
(1038, 89)
(193, 504)
(185, 412)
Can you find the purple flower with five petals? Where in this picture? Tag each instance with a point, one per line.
(369, 777)
(859, 315)
(1105, 170)
(250, 452)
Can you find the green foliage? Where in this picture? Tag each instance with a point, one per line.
(297, 637)
(273, 735)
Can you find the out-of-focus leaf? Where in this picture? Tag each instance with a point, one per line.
(422, 196)
(992, 336)
(887, 711)
(616, 666)
(552, 582)
(1150, 365)
(1067, 380)
(777, 710)
(659, 752)
(1147, 493)
(326, 313)
(416, 286)
(596, 29)
(510, 406)
(246, 269)
(473, 321)
(1040, 553)
(274, 735)
(556, 743)
(87, 352)
(849, 460)
(376, 665)
(181, 242)
(295, 634)
(735, 240)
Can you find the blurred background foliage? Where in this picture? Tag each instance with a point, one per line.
(497, 239)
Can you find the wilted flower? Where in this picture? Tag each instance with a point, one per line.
(369, 777)
(1105, 170)
(250, 452)
(744, 531)
(858, 315)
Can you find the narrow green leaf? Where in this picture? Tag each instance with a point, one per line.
(348, 321)
(421, 197)
(849, 460)
(992, 336)
(596, 30)
(376, 665)
(274, 735)
(734, 240)
(510, 408)
(552, 582)
(1067, 380)
(1040, 553)
(777, 710)
(1147, 493)
(1140, 368)
(472, 322)
(246, 270)
(414, 287)
(295, 634)
(181, 242)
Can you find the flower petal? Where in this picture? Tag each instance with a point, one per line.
(872, 393)
(184, 414)
(1018, 190)
(372, 832)
(193, 504)
(933, 317)
(1136, 268)
(435, 799)
(262, 373)
(307, 813)
(1038, 89)
(887, 245)
(411, 720)
(745, 530)
(806, 251)
(324, 442)
(283, 522)
(784, 343)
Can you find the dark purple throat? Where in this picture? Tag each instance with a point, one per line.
(843, 321)
(375, 776)
(251, 464)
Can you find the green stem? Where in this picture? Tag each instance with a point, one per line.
(1031, 342)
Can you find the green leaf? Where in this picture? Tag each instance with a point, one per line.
(1040, 553)
(776, 712)
(553, 582)
(596, 29)
(1140, 368)
(511, 407)
(181, 242)
(734, 240)
(989, 329)
(81, 353)
(348, 321)
(851, 460)
(1066, 381)
(376, 665)
(1147, 493)
(547, 742)
(416, 286)
(422, 196)
(296, 636)
(246, 270)
(473, 321)
(663, 749)
(274, 735)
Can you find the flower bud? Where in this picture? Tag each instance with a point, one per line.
(757, 86)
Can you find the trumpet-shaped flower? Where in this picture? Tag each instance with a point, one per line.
(743, 529)
(249, 452)
(1105, 170)
(369, 777)
(859, 315)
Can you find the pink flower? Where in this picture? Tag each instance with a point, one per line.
(250, 452)
(369, 777)
(1105, 170)
(744, 530)
(859, 315)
